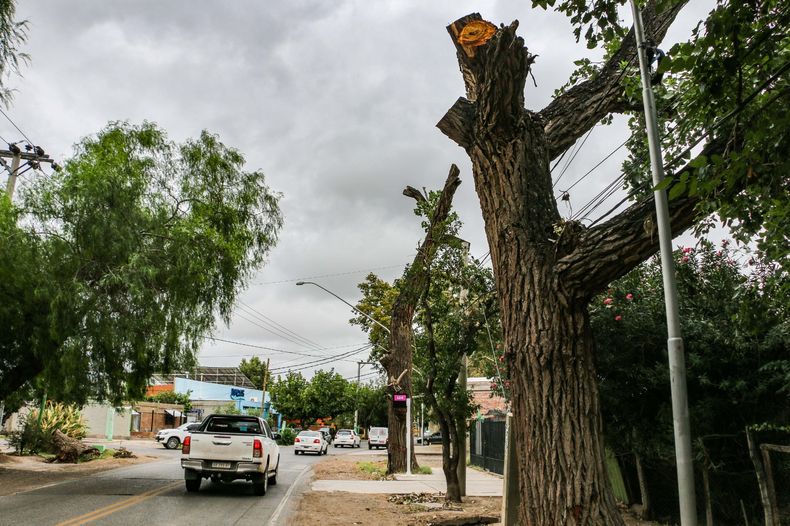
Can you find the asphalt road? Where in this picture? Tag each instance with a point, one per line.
(154, 493)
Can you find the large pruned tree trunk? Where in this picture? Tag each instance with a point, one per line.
(547, 269)
(398, 360)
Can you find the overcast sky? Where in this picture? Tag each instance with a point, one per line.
(336, 102)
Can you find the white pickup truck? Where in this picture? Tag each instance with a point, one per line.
(230, 447)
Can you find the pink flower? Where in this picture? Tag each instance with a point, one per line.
(685, 259)
(608, 301)
(629, 296)
(688, 250)
(718, 253)
(501, 357)
(493, 386)
(618, 318)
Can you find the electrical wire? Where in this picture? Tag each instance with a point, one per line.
(282, 327)
(17, 127)
(263, 347)
(242, 311)
(305, 278)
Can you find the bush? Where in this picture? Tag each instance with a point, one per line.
(30, 439)
(287, 437)
(63, 417)
(34, 438)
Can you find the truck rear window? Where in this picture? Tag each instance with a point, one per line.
(233, 425)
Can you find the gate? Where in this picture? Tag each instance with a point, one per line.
(487, 445)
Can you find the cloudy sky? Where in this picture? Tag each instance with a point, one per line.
(335, 101)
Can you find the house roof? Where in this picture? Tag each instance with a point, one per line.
(217, 375)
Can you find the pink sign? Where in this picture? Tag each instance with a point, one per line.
(399, 397)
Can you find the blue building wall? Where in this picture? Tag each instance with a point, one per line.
(211, 391)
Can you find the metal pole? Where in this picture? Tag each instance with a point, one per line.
(461, 468)
(677, 365)
(356, 401)
(510, 491)
(422, 422)
(263, 389)
(408, 436)
(11, 183)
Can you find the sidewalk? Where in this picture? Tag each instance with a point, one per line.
(478, 484)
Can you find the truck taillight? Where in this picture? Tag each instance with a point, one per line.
(257, 449)
(185, 447)
(316, 441)
(297, 440)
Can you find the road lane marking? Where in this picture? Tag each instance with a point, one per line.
(281, 506)
(117, 506)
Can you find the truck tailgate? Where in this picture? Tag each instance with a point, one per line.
(211, 446)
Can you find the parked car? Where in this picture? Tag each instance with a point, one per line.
(378, 437)
(172, 438)
(328, 432)
(311, 441)
(434, 438)
(346, 438)
(230, 447)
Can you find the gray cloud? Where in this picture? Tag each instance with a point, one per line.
(335, 101)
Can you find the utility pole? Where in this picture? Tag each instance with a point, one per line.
(462, 440)
(677, 364)
(263, 395)
(461, 468)
(33, 157)
(356, 397)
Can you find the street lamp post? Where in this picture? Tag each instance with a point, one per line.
(359, 364)
(344, 301)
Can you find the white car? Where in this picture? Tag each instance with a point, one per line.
(310, 442)
(346, 437)
(378, 437)
(172, 438)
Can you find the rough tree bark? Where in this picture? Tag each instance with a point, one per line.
(546, 269)
(69, 449)
(398, 360)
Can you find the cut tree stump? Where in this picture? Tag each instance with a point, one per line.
(69, 449)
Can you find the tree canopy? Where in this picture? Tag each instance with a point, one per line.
(118, 265)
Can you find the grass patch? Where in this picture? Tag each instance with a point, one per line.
(424, 470)
(373, 468)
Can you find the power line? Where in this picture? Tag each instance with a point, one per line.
(281, 326)
(272, 349)
(268, 327)
(305, 278)
(17, 127)
(324, 361)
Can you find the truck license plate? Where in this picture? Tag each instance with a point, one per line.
(221, 465)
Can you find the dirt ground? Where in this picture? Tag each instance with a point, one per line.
(19, 474)
(386, 510)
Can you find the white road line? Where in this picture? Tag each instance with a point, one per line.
(276, 515)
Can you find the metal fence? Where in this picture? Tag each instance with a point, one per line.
(487, 445)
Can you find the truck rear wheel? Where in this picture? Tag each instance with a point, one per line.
(261, 483)
(193, 485)
(273, 478)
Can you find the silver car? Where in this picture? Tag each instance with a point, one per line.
(346, 437)
(310, 442)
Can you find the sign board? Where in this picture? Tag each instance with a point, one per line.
(399, 400)
(237, 394)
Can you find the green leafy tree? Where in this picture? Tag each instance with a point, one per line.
(371, 402)
(12, 35)
(171, 397)
(254, 369)
(453, 317)
(327, 395)
(131, 251)
(288, 398)
(737, 336)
